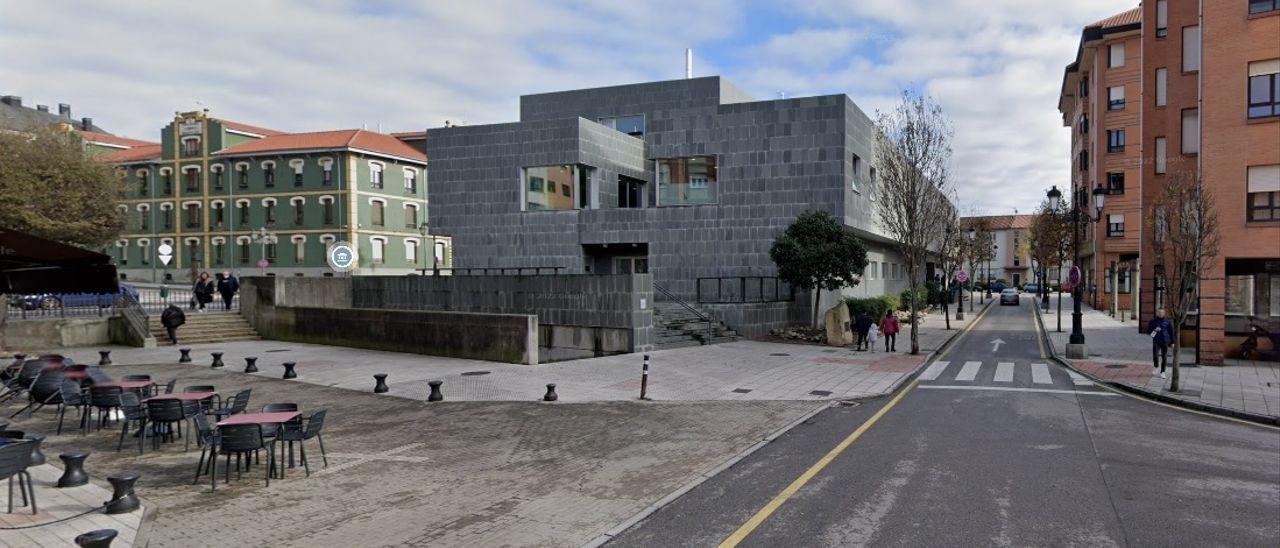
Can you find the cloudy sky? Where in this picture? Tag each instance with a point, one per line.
(994, 65)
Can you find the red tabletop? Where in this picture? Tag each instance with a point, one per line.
(260, 418)
(74, 375)
(127, 385)
(184, 396)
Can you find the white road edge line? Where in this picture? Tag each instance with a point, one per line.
(1012, 389)
(934, 370)
(1004, 372)
(1078, 379)
(969, 371)
(1040, 373)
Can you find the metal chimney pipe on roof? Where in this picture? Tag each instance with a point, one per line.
(42, 108)
(688, 63)
(64, 110)
(86, 124)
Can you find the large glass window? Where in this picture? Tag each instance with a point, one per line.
(550, 188)
(687, 181)
(1115, 98)
(631, 125)
(1263, 6)
(1264, 88)
(630, 192)
(1190, 131)
(1263, 187)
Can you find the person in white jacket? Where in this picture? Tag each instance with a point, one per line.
(873, 335)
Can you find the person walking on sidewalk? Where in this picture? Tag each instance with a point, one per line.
(889, 326)
(862, 324)
(1161, 330)
(873, 336)
(228, 285)
(172, 318)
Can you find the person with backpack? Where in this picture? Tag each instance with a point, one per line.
(889, 326)
(172, 318)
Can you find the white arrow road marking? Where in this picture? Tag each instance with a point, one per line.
(1040, 374)
(933, 371)
(969, 371)
(995, 344)
(1004, 372)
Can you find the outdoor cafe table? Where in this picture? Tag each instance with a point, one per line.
(127, 385)
(260, 418)
(184, 396)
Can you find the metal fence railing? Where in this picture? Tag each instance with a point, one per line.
(743, 289)
(150, 299)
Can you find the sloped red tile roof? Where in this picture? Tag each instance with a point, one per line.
(109, 139)
(338, 139)
(1123, 18)
(1001, 222)
(247, 128)
(135, 154)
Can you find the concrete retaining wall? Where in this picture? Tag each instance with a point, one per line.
(57, 333)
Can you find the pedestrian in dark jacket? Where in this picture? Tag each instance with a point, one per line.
(1161, 330)
(862, 324)
(228, 285)
(203, 290)
(172, 318)
(889, 326)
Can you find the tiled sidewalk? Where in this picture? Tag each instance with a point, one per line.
(1119, 353)
(742, 370)
(54, 504)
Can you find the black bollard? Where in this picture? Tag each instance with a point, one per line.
(123, 499)
(551, 393)
(37, 456)
(73, 469)
(20, 357)
(97, 539)
(380, 386)
(105, 358)
(251, 365)
(217, 359)
(289, 373)
(644, 379)
(435, 391)
(186, 355)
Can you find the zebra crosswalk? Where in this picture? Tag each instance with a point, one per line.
(1034, 374)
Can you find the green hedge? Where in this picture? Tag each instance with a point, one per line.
(922, 299)
(876, 307)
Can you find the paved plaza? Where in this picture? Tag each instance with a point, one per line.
(64, 510)
(1119, 353)
(742, 370)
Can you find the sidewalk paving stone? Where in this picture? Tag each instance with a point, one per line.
(1119, 353)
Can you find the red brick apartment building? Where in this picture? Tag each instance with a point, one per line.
(1182, 85)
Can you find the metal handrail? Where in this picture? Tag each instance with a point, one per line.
(782, 291)
(700, 314)
(494, 270)
(134, 314)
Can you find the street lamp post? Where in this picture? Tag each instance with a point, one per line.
(1076, 348)
(972, 267)
(264, 237)
(435, 265)
(994, 249)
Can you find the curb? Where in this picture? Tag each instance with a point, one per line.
(825, 404)
(1266, 420)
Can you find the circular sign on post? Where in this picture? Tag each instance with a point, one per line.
(165, 249)
(262, 263)
(341, 256)
(1073, 277)
(962, 276)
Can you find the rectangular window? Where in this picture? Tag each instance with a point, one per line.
(218, 252)
(411, 216)
(1084, 160)
(244, 213)
(1115, 140)
(1084, 86)
(378, 214)
(193, 180)
(630, 192)
(1115, 98)
(631, 125)
(270, 210)
(271, 252)
(1162, 145)
(1190, 131)
(145, 219)
(328, 212)
(144, 183)
(411, 251)
(378, 246)
(146, 254)
(375, 175)
(1264, 193)
(1115, 225)
(884, 271)
(687, 181)
(244, 252)
(168, 217)
(192, 215)
(299, 251)
(1115, 55)
(1162, 18)
(242, 177)
(297, 178)
(219, 215)
(191, 147)
(1264, 88)
(269, 175)
(1263, 6)
(856, 180)
(167, 180)
(1084, 124)
(217, 179)
(1115, 183)
(542, 184)
(410, 180)
(1190, 48)
(1162, 86)
(328, 176)
(299, 212)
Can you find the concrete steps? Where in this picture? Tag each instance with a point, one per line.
(676, 326)
(207, 327)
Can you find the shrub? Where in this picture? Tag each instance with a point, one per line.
(922, 302)
(876, 307)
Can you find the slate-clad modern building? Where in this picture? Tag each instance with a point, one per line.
(690, 180)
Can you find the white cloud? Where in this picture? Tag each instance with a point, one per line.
(994, 65)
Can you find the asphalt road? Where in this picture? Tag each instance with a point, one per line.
(978, 453)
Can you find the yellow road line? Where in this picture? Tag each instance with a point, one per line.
(804, 478)
(1041, 337)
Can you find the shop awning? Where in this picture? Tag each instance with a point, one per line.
(29, 264)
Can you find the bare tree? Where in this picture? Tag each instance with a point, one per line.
(978, 246)
(913, 153)
(950, 258)
(1051, 245)
(1182, 222)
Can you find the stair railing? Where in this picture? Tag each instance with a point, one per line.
(707, 319)
(135, 317)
